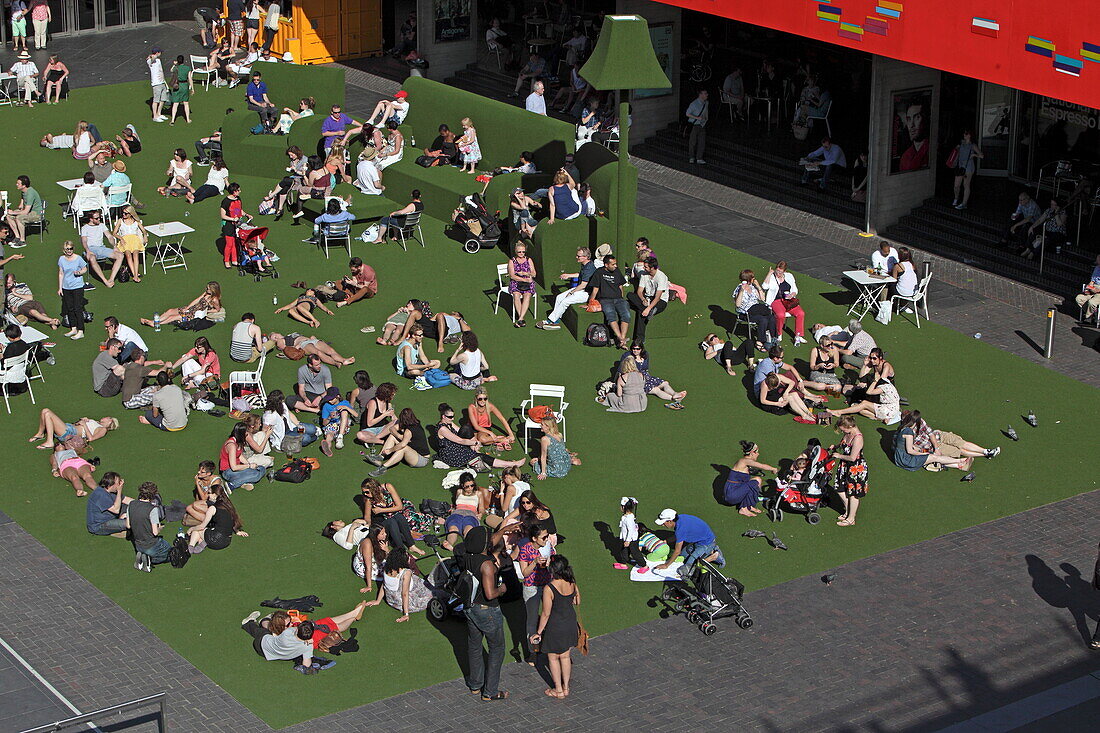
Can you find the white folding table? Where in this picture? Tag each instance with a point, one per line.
(868, 289)
(32, 336)
(168, 251)
(5, 91)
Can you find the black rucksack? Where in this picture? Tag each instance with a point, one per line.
(467, 584)
(179, 554)
(597, 335)
(294, 472)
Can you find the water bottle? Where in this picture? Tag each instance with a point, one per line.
(187, 213)
(412, 140)
(978, 335)
(274, 300)
(156, 322)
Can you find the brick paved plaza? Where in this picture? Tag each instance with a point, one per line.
(980, 629)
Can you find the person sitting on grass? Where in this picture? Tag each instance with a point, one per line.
(406, 443)
(909, 456)
(144, 520)
(207, 302)
(360, 283)
(742, 489)
(66, 463)
(443, 328)
(411, 361)
(383, 506)
(169, 408)
(778, 393)
(283, 421)
(470, 363)
(888, 407)
(824, 359)
(301, 309)
(481, 413)
(199, 365)
(854, 351)
(377, 418)
(219, 523)
(774, 364)
(236, 471)
(458, 446)
(290, 116)
(653, 385)
(942, 442)
(396, 109)
(555, 460)
(401, 586)
(695, 540)
(206, 476)
(337, 415)
(314, 382)
(470, 506)
(279, 641)
(106, 509)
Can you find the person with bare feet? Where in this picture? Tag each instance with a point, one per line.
(66, 464)
(301, 309)
(55, 430)
(311, 345)
(557, 632)
(328, 631)
(851, 469)
(742, 489)
(443, 328)
(778, 394)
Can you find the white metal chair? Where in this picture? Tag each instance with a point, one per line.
(198, 67)
(728, 100)
(334, 233)
(87, 199)
(502, 290)
(824, 116)
(917, 299)
(411, 227)
(250, 380)
(14, 371)
(123, 190)
(543, 394)
(495, 48)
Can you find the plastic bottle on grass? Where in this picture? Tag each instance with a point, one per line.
(156, 322)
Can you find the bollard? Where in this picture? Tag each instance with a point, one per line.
(1050, 333)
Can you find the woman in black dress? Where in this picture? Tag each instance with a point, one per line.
(557, 631)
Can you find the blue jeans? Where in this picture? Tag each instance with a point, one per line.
(110, 526)
(615, 309)
(158, 553)
(484, 622)
(127, 351)
(825, 171)
(236, 479)
(309, 433)
(696, 551)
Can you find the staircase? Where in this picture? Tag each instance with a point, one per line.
(769, 174)
(487, 81)
(938, 228)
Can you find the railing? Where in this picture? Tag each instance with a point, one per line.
(158, 699)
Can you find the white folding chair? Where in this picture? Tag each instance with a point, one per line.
(494, 48)
(124, 190)
(543, 394)
(728, 100)
(334, 233)
(917, 299)
(824, 116)
(14, 371)
(250, 380)
(502, 290)
(198, 67)
(408, 229)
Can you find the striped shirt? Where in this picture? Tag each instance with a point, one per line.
(240, 344)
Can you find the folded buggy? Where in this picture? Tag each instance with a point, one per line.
(475, 224)
(706, 596)
(807, 493)
(253, 257)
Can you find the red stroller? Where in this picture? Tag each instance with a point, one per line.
(807, 493)
(252, 254)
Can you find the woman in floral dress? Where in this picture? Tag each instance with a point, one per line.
(384, 497)
(851, 469)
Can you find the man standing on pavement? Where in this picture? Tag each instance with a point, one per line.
(610, 282)
(698, 112)
(536, 102)
(156, 78)
(574, 295)
(483, 617)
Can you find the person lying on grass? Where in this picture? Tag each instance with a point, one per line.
(53, 428)
(66, 464)
(311, 346)
(443, 328)
(275, 639)
(301, 309)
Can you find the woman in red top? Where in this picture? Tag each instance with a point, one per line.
(199, 364)
(235, 470)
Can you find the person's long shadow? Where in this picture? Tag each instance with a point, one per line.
(886, 442)
(719, 484)
(722, 318)
(610, 541)
(1072, 592)
(454, 630)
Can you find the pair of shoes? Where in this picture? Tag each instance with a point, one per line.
(691, 160)
(77, 336)
(203, 162)
(548, 326)
(89, 286)
(18, 244)
(993, 452)
(378, 472)
(617, 566)
(960, 207)
(374, 460)
(250, 617)
(798, 340)
(161, 118)
(700, 161)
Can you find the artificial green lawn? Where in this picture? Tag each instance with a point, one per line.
(662, 457)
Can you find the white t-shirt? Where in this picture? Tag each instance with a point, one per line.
(272, 20)
(350, 535)
(366, 175)
(58, 142)
(880, 263)
(24, 68)
(400, 110)
(219, 179)
(278, 427)
(650, 284)
(94, 233)
(156, 71)
(826, 331)
(125, 334)
(536, 103)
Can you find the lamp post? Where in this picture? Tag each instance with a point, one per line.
(622, 61)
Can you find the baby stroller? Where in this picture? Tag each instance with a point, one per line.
(474, 223)
(808, 493)
(442, 580)
(707, 595)
(251, 251)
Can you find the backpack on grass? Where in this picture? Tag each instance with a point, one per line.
(294, 472)
(597, 335)
(179, 554)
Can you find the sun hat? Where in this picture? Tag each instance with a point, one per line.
(119, 166)
(24, 55)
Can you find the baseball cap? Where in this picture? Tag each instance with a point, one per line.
(667, 515)
(401, 94)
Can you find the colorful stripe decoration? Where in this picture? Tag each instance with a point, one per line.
(985, 27)
(851, 31)
(1090, 52)
(876, 25)
(1068, 65)
(1040, 46)
(888, 8)
(828, 13)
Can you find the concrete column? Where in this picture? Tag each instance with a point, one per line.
(655, 113)
(445, 58)
(889, 197)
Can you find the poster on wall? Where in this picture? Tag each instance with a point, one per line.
(452, 20)
(911, 118)
(661, 36)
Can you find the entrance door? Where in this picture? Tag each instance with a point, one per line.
(996, 118)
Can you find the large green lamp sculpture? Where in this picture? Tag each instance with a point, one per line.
(624, 60)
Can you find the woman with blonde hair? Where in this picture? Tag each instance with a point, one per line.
(82, 141)
(628, 395)
(555, 459)
(562, 195)
(133, 239)
(210, 299)
(289, 116)
(481, 413)
(468, 146)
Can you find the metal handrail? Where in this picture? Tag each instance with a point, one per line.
(157, 699)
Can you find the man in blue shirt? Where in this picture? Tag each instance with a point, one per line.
(694, 539)
(823, 159)
(772, 365)
(258, 102)
(574, 295)
(334, 214)
(106, 508)
(698, 112)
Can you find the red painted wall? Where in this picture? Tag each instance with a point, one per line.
(939, 34)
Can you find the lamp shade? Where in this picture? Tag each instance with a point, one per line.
(624, 57)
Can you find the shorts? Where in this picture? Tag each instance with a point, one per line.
(160, 93)
(19, 28)
(78, 463)
(421, 462)
(950, 444)
(236, 27)
(100, 252)
(252, 23)
(461, 522)
(375, 430)
(26, 308)
(70, 431)
(30, 217)
(615, 309)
